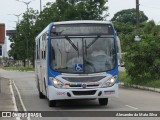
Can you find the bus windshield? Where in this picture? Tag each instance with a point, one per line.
(85, 54)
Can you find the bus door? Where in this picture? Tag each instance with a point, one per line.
(43, 64)
(39, 64)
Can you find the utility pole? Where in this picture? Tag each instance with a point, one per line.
(16, 15)
(137, 37)
(137, 14)
(40, 5)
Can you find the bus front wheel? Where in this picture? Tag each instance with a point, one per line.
(41, 95)
(103, 101)
(52, 103)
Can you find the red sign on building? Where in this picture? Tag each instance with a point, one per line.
(2, 33)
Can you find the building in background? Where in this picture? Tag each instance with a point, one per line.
(3, 41)
(3, 49)
(2, 33)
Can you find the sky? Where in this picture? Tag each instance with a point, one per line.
(14, 7)
(150, 7)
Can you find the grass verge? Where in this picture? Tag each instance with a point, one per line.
(126, 80)
(20, 68)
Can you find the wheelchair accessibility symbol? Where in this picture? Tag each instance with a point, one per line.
(78, 67)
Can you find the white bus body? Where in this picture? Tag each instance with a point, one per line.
(55, 85)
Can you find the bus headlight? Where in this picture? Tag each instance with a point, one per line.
(56, 83)
(110, 82)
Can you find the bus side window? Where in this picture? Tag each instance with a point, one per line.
(38, 49)
(44, 38)
(37, 52)
(42, 55)
(45, 54)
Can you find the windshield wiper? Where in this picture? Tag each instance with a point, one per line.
(57, 33)
(73, 45)
(90, 44)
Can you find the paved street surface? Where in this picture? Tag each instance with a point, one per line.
(129, 100)
(6, 100)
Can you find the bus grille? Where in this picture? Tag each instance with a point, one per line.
(84, 79)
(91, 92)
(96, 85)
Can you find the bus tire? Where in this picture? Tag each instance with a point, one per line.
(103, 101)
(52, 103)
(41, 95)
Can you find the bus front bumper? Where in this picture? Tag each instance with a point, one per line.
(92, 93)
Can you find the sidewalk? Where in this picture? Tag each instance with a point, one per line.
(6, 99)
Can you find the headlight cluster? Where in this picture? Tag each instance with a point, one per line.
(56, 83)
(110, 82)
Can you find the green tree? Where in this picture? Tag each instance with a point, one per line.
(24, 39)
(142, 60)
(125, 25)
(156, 30)
(61, 10)
(64, 10)
(129, 16)
(149, 26)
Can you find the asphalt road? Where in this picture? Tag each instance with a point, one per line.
(129, 100)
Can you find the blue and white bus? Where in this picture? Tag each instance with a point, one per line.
(77, 60)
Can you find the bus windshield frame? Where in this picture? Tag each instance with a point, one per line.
(93, 53)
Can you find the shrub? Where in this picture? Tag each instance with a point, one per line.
(142, 60)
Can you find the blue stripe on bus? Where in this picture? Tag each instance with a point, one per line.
(117, 81)
(51, 73)
(114, 72)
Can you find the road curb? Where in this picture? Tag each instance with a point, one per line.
(20, 99)
(13, 97)
(7, 100)
(140, 87)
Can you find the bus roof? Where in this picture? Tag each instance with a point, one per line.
(82, 21)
